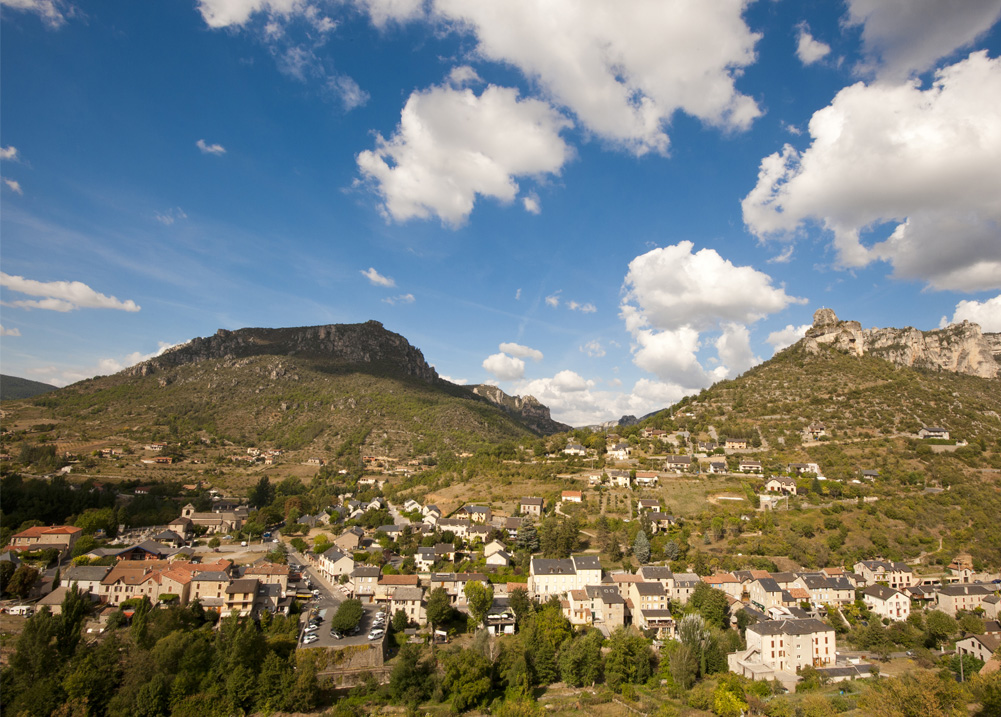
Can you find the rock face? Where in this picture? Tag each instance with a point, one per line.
(344, 343)
(527, 408)
(960, 348)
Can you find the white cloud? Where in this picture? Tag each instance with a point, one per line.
(347, 91)
(673, 294)
(13, 185)
(57, 376)
(463, 75)
(553, 300)
(531, 203)
(521, 351)
(734, 349)
(784, 256)
(9, 154)
(786, 337)
(456, 381)
(586, 308)
(504, 367)
(452, 145)
(574, 399)
(52, 12)
(517, 295)
(808, 49)
(378, 279)
(62, 295)
(593, 348)
(205, 148)
(383, 12)
(986, 313)
(673, 287)
(623, 68)
(924, 160)
(401, 299)
(906, 36)
(9, 332)
(170, 216)
(229, 13)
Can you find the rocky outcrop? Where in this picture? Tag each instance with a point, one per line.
(367, 343)
(532, 413)
(960, 348)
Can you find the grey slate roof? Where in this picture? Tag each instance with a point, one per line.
(790, 627)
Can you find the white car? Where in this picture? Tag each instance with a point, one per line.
(376, 634)
(309, 639)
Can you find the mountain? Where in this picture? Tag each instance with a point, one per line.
(340, 390)
(527, 409)
(12, 387)
(959, 348)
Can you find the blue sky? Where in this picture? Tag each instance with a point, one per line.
(606, 205)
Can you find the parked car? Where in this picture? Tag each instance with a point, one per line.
(336, 635)
(309, 639)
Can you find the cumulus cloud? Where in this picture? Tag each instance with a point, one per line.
(456, 381)
(576, 400)
(452, 145)
(13, 185)
(170, 216)
(504, 367)
(986, 313)
(9, 332)
(378, 279)
(52, 12)
(347, 91)
(622, 68)
(593, 348)
(902, 37)
(674, 286)
(672, 295)
(553, 300)
(9, 154)
(531, 203)
(521, 351)
(384, 12)
(206, 148)
(586, 308)
(923, 160)
(809, 49)
(401, 299)
(61, 295)
(463, 75)
(786, 337)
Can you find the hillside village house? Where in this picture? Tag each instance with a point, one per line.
(40, 537)
(647, 479)
(619, 451)
(735, 444)
(409, 599)
(801, 468)
(575, 449)
(364, 578)
(980, 646)
(618, 478)
(350, 539)
(933, 432)
(784, 646)
(678, 463)
(717, 467)
(781, 484)
(572, 496)
(333, 563)
(647, 504)
(214, 522)
(531, 506)
(388, 584)
(895, 575)
(556, 577)
(953, 598)
(595, 605)
(86, 578)
(750, 467)
(477, 513)
(887, 602)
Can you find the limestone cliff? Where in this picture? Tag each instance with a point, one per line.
(367, 343)
(527, 408)
(960, 348)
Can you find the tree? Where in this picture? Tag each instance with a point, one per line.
(7, 569)
(528, 537)
(261, 494)
(915, 694)
(22, 581)
(520, 603)
(412, 679)
(299, 544)
(671, 550)
(641, 548)
(711, 604)
(940, 627)
(479, 598)
(400, 621)
(580, 660)
(628, 660)
(466, 678)
(348, 615)
(438, 608)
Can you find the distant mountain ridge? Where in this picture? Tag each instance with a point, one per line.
(534, 414)
(13, 388)
(369, 342)
(959, 348)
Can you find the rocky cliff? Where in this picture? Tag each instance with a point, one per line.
(960, 348)
(526, 408)
(368, 343)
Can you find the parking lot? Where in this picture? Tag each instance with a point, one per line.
(322, 633)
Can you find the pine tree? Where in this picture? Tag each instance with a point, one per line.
(641, 547)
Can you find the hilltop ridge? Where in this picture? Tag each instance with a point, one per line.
(959, 348)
